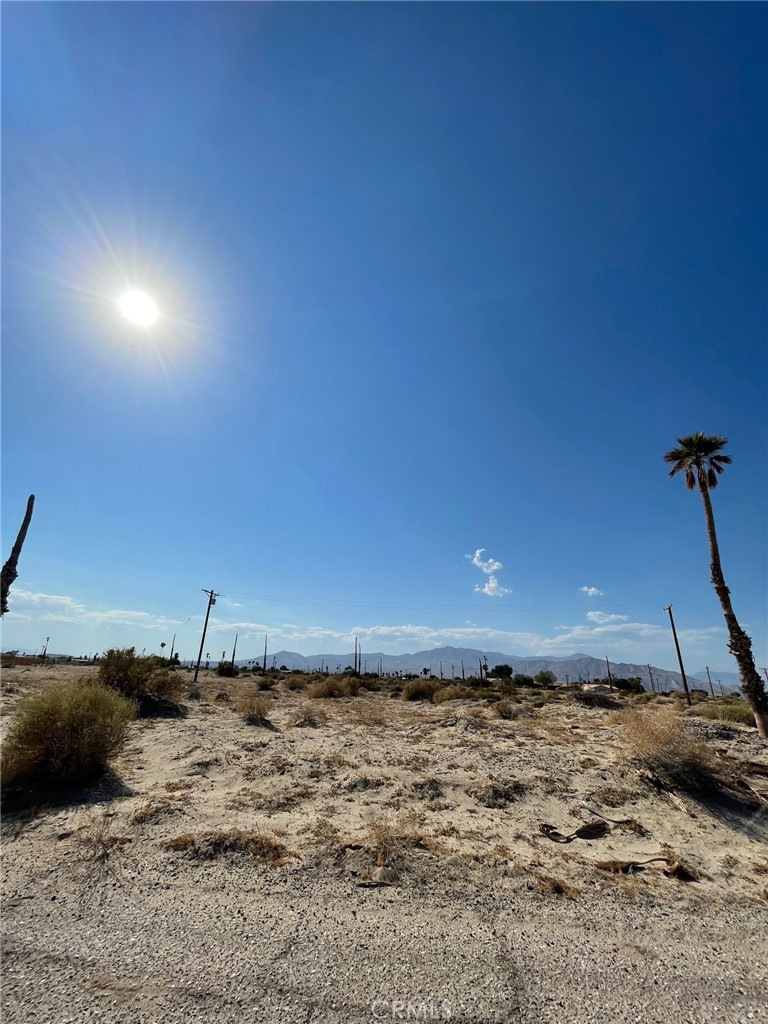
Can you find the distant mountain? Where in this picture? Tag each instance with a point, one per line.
(448, 662)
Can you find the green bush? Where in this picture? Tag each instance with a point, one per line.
(135, 677)
(226, 668)
(65, 735)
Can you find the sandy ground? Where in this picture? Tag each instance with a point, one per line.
(124, 906)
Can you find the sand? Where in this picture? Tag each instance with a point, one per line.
(402, 872)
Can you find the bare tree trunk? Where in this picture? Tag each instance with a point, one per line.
(9, 572)
(739, 644)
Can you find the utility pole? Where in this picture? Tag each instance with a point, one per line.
(441, 670)
(212, 595)
(233, 651)
(264, 667)
(722, 691)
(610, 679)
(462, 670)
(679, 655)
(650, 676)
(173, 645)
(709, 677)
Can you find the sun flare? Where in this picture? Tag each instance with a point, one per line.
(139, 308)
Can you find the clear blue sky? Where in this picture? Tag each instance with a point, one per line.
(433, 278)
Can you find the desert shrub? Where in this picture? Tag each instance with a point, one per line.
(135, 677)
(659, 740)
(292, 683)
(420, 689)
(232, 843)
(728, 711)
(496, 793)
(509, 710)
(452, 693)
(589, 699)
(335, 686)
(226, 668)
(253, 709)
(66, 734)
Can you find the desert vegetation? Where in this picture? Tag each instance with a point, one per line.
(65, 735)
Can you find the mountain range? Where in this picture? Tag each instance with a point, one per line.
(447, 662)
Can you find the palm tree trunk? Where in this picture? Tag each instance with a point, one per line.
(9, 572)
(739, 644)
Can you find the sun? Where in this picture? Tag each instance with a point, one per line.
(139, 308)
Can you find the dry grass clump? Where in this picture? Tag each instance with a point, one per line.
(388, 840)
(452, 693)
(727, 711)
(551, 886)
(420, 689)
(333, 686)
(136, 677)
(508, 710)
(295, 682)
(613, 796)
(153, 811)
(233, 842)
(428, 789)
(659, 741)
(65, 735)
(306, 717)
(496, 793)
(266, 682)
(252, 709)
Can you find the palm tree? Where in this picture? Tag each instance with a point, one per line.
(701, 458)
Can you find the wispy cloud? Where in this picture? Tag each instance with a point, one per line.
(591, 591)
(488, 565)
(492, 588)
(603, 618)
(64, 609)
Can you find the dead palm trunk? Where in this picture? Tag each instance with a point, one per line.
(9, 572)
(739, 644)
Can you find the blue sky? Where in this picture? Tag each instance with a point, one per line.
(433, 279)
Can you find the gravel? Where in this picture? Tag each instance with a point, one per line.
(227, 942)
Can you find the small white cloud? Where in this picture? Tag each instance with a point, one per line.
(488, 566)
(603, 619)
(591, 591)
(492, 588)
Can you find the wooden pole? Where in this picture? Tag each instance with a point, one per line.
(212, 595)
(233, 651)
(679, 655)
(264, 667)
(709, 677)
(650, 676)
(610, 679)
